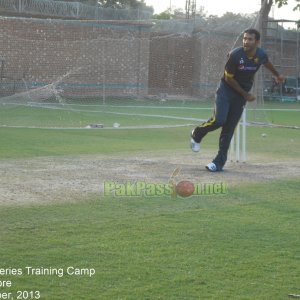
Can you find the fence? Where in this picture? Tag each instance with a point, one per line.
(74, 10)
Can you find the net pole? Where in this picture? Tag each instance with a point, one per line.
(244, 123)
(237, 143)
(104, 79)
(231, 152)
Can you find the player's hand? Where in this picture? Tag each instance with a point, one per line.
(250, 97)
(280, 79)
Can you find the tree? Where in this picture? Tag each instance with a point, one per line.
(266, 6)
(178, 13)
(165, 15)
(265, 9)
(280, 3)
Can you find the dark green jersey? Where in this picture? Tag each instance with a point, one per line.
(243, 68)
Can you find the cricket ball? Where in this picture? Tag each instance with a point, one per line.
(185, 188)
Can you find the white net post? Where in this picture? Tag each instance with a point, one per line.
(238, 141)
(104, 78)
(231, 151)
(244, 123)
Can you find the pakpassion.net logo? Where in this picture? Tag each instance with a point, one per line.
(183, 188)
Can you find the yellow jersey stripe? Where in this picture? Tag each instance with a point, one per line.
(228, 74)
(209, 122)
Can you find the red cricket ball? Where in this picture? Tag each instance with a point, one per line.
(185, 188)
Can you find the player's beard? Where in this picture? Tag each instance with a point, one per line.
(248, 48)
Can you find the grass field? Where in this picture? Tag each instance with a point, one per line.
(241, 245)
(136, 113)
(244, 245)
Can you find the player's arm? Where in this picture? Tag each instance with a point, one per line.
(278, 78)
(229, 78)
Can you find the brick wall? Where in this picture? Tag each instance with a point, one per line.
(82, 56)
(88, 58)
(193, 64)
(172, 62)
(188, 64)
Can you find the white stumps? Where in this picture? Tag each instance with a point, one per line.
(238, 141)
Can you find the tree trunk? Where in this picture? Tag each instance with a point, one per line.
(262, 23)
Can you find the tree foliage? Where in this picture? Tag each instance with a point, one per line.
(165, 15)
(280, 3)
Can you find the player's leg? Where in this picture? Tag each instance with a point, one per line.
(234, 115)
(219, 117)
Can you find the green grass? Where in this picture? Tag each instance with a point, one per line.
(37, 142)
(22, 142)
(278, 144)
(141, 113)
(243, 245)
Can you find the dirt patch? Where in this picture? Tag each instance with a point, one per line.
(50, 179)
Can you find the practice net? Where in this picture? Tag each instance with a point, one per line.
(108, 74)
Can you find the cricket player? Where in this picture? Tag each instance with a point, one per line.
(232, 94)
